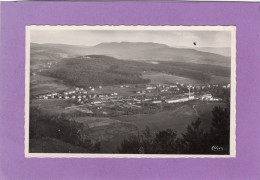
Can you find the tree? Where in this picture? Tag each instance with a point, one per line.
(220, 131)
(165, 142)
(194, 141)
(147, 141)
(130, 145)
(58, 127)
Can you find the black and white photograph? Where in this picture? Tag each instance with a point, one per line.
(130, 91)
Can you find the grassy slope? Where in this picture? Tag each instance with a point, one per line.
(177, 120)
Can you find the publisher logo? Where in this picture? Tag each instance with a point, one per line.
(217, 148)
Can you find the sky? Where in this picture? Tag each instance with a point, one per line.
(170, 37)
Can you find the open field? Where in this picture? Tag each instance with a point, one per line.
(116, 88)
(163, 78)
(53, 107)
(219, 80)
(109, 132)
(43, 85)
(92, 122)
(177, 119)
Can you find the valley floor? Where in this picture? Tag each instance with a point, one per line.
(111, 130)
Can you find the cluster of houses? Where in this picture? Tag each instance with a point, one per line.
(158, 88)
(156, 96)
(77, 93)
(209, 97)
(49, 64)
(178, 88)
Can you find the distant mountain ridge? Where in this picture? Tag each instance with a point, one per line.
(141, 51)
(224, 51)
(135, 45)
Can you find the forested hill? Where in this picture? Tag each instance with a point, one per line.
(95, 70)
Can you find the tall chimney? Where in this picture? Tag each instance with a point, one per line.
(189, 92)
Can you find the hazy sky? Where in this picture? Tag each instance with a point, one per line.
(171, 38)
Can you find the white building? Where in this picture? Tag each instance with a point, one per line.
(177, 100)
(156, 102)
(206, 97)
(149, 88)
(96, 102)
(191, 97)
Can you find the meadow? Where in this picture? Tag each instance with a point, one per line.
(40, 84)
(163, 78)
(177, 119)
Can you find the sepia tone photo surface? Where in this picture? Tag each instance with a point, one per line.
(130, 91)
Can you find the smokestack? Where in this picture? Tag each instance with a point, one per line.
(189, 92)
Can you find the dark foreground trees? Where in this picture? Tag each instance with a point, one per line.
(48, 128)
(42, 126)
(194, 141)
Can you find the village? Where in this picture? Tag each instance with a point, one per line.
(93, 100)
(122, 93)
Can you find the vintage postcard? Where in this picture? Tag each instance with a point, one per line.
(130, 91)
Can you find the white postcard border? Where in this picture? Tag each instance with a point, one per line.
(232, 29)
